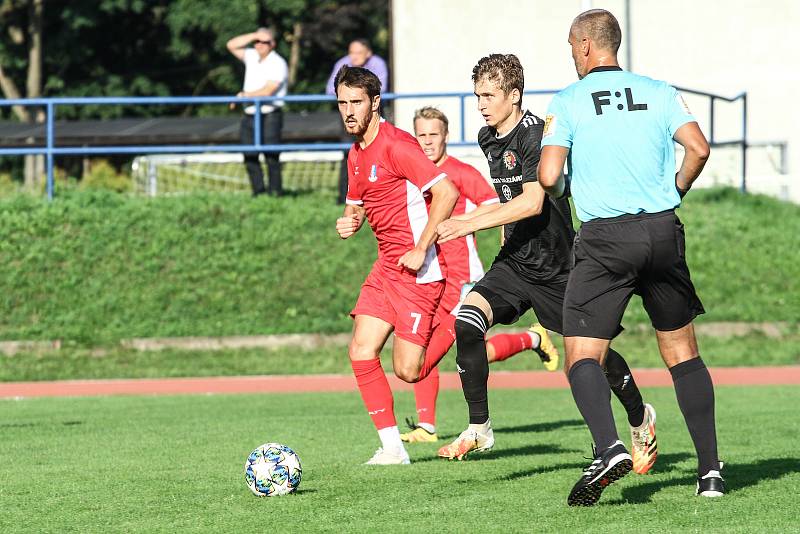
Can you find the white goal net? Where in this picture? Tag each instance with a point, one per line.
(165, 174)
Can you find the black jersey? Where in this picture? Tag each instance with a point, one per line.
(538, 247)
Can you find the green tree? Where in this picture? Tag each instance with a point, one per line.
(21, 58)
(163, 47)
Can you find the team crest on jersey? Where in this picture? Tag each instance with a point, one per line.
(682, 104)
(549, 125)
(506, 192)
(373, 174)
(509, 160)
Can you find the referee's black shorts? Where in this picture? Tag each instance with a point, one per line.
(511, 295)
(614, 258)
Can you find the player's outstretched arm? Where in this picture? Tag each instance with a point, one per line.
(480, 210)
(527, 204)
(443, 197)
(349, 223)
(551, 167)
(697, 151)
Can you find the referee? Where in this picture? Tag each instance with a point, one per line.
(617, 129)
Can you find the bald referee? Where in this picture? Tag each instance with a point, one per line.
(618, 129)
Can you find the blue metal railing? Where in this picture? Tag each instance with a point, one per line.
(712, 98)
(49, 150)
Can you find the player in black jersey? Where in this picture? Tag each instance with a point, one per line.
(532, 267)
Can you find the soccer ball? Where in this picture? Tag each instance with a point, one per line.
(272, 469)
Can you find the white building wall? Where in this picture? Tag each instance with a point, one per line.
(722, 47)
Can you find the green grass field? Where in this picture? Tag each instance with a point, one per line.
(167, 464)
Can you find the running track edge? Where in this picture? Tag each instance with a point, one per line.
(723, 376)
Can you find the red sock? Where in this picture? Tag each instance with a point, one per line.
(442, 338)
(507, 345)
(375, 391)
(425, 392)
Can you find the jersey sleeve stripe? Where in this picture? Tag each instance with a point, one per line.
(433, 182)
(353, 202)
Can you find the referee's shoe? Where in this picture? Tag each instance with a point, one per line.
(607, 467)
(711, 484)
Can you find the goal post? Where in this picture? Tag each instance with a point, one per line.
(164, 174)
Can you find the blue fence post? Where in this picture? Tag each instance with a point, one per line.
(50, 124)
(711, 119)
(257, 123)
(744, 142)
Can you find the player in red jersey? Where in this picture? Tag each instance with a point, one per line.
(464, 267)
(404, 197)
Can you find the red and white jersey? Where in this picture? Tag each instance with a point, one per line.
(461, 255)
(389, 178)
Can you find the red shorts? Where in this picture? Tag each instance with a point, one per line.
(400, 301)
(453, 290)
(451, 296)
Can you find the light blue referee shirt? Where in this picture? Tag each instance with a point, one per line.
(618, 127)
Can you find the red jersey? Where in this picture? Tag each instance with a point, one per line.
(461, 255)
(390, 178)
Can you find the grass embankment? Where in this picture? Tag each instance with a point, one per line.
(91, 269)
(639, 349)
(163, 464)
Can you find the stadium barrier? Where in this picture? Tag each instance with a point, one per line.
(50, 150)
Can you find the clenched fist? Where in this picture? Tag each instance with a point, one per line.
(348, 225)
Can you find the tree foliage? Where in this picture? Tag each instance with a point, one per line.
(163, 47)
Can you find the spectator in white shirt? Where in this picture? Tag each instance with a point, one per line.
(265, 74)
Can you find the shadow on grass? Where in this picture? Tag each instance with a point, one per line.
(547, 426)
(667, 462)
(497, 453)
(576, 466)
(737, 477)
(31, 425)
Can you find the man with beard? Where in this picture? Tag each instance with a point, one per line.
(390, 183)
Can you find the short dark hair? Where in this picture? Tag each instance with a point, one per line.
(503, 69)
(363, 42)
(358, 77)
(601, 27)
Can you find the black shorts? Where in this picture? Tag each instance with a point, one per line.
(510, 296)
(614, 258)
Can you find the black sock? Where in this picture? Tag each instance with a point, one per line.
(695, 393)
(624, 387)
(593, 397)
(471, 361)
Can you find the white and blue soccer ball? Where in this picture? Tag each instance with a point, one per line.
(273, 469)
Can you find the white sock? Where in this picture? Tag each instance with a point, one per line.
(481, 428)
(427, 426)
(390, 438)
(536, 339)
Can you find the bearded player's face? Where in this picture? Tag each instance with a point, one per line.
(494, 104)
(356, 108)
